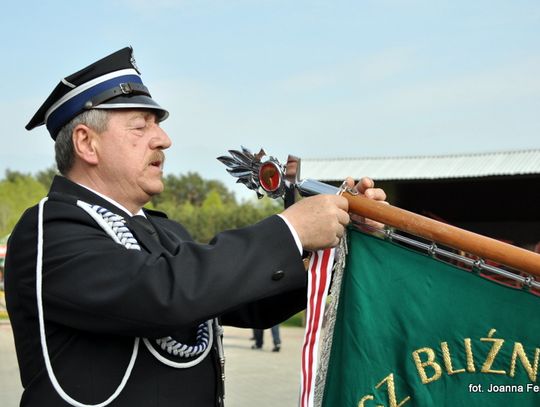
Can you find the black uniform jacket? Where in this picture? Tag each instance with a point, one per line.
(98, 296)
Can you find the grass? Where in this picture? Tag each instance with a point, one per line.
(296, 320)
(3, 312)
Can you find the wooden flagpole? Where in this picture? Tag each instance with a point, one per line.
(435, 231)
(246, 167)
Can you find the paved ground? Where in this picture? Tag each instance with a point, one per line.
(10, 387)
(254, 377)
(261, 377)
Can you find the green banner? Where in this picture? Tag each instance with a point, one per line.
(413, 331)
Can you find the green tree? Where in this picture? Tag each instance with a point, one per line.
(46, 176)
(204, 207)
(12, 176)
(18, 192)
(191, 188)
(207, 207)
(215, 216)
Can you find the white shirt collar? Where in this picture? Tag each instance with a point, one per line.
(119, 206)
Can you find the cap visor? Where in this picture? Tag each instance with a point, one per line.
(135, 102)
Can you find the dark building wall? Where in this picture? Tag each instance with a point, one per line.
(505, 208)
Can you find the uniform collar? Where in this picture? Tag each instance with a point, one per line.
(67, 189)
(118, 205)
(64, 187)
(70, 191)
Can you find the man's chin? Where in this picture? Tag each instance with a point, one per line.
(154, 188)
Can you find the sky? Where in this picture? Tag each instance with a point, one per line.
(317, 79)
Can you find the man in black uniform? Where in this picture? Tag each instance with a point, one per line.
(115, 305)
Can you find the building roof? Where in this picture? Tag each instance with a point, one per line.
(424, 167)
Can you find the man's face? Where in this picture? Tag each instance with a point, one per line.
(131, 157)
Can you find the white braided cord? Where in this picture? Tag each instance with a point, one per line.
(172, 344)
(175, 348)
(114, 226)
(41, 319)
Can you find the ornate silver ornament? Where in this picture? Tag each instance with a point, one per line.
(262, 174)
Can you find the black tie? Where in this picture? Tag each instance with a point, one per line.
(146, 225)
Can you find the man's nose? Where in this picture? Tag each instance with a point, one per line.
(161, 139)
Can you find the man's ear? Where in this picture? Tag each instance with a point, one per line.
(84, 144)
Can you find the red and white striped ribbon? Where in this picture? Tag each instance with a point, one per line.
(319, 276)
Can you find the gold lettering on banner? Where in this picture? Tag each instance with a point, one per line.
(532, 370)
(469, 355)
(430, 369)
(391, 392)
(420, 366)
(448, 360)
(363, 400)
(391, 389)
(497, 344)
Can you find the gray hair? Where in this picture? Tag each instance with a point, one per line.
(96, 119)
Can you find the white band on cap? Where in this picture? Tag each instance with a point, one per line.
(88, 85)
(68, 84)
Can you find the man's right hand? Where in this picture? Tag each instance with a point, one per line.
(319, 220)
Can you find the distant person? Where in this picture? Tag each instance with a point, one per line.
(258, 335)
